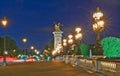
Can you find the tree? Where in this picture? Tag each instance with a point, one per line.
(75, 50)
(111, 47)
(47, 51)
(84, 50)
(11, 46)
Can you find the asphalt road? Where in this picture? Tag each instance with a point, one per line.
(53, 68)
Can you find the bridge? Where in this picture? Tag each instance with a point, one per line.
(45, 68)
(64, 65)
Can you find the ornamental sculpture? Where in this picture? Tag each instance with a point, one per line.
(57, 27)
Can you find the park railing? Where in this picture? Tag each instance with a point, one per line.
(110, 67)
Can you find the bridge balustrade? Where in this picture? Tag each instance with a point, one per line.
(108, 67)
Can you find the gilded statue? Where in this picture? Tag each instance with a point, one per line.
(57, 27)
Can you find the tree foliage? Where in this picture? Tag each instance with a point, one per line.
(75, 50)
(84, 50)
(11, 46)
(47, 52)
(111, 46)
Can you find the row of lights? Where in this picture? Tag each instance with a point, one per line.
(78, 36)
(35, 50)
(70, 39)
(24, 40)
(4, 23)
(58, 50)
(98, 27)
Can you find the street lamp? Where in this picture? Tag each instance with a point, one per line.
(78, 37)
(98, 27)
(32, 48)
(24, 40)
(4, 24)
(70, 39)
(35, 51)
(64, 45)
(64, 42)
(78, 30)
(70, 42)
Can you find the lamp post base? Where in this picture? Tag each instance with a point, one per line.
(4, 62)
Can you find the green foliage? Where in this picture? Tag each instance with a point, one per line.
(85, 50)
(11, 46)
(48, 49)
(111, 47)
(1, 45)
(75, 50)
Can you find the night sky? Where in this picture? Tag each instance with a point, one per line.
(35, 19)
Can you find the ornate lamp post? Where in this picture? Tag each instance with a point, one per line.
(78, 37)
(70, 42)
(24, 40)
(4, 24)
(32, 48)
(98, 27)
(70, 39)
(64, 45)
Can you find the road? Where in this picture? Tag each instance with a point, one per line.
(52, 68)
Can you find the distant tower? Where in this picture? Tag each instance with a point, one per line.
(57, 35)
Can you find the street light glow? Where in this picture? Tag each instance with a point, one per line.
(64, 40)
(98, 25)
(95, 26)
(32, 47)
(6, 52)
(4, 21)
(24, 40)
(14, 50)
(78, 30)
(101, 23)
(70, 36)
(35, 50)
(70, 41)
(78, 36)
(54, 52)
(98, 14)
(64, 44)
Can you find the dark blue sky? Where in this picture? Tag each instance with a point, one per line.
(35, 19)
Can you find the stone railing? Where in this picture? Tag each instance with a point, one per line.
(109, 67)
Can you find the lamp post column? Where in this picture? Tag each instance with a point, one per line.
(78, 38)
(98, 27)
(4, 24)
